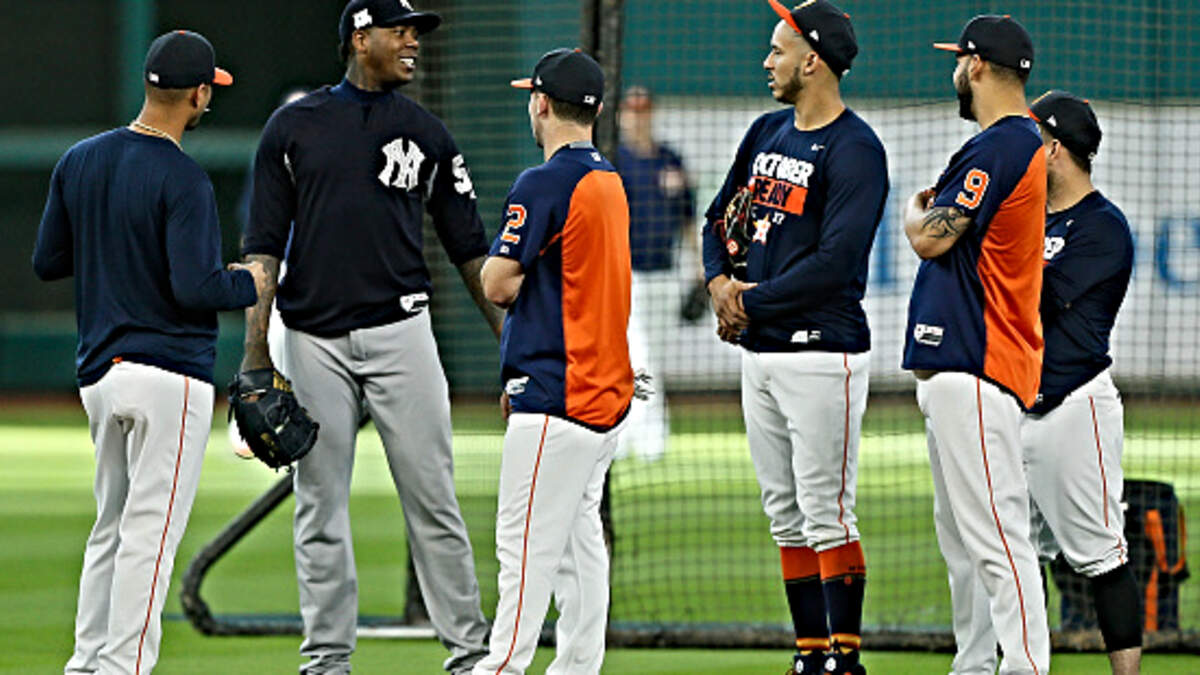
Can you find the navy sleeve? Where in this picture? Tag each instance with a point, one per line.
(974, 182)
(858, 185)
(53, 254)
(454, 209)
(529, 224)
(193, 236)
(1094, 252)
(273, 202)
(716, 262)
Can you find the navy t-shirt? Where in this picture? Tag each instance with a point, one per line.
(818, 199)
(661, 202)
(134, 220)
(1089, 259)
(348, 174)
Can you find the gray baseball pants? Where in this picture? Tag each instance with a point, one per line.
(395, 370)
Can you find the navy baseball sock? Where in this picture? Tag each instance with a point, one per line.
(802, 582)
(843, 580)
(1118, 608)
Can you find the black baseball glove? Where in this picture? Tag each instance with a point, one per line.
(734, 230)
(270, 418)
(695, 303)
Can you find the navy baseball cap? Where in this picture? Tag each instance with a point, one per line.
(999, 39)
(182, 59)
(826, 28)
(567, 75)
(362, 14)
(1069, 119)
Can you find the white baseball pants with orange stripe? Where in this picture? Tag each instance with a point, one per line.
(803, 413)
(1073, 466)
(1073, 459)
(150, 427)
(981, 513)
(549, 541)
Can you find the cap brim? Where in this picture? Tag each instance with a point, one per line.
(948, 47)
(1034, 116)
(785, 14)
(424, 22)
(525, 83)
(222, 77)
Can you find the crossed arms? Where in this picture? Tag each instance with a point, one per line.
(932, 230)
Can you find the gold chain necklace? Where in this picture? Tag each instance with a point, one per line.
(155, 131)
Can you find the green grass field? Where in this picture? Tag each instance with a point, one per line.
(691, 521)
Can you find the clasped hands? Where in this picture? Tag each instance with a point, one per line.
(726, 296)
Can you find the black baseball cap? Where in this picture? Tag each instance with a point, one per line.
(827, 30)
(999, 39)
(182, 59)
(362, 14)
(1069, 119)
(567, 75)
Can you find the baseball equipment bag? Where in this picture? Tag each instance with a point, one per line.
(274, 425)
(1157, 536)
(734, 230)
(695, 303)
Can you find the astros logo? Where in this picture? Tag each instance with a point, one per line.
(761, 227)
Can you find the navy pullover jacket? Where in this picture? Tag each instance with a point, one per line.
(344, 175)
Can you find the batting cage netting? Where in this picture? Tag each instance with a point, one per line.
(692, 558)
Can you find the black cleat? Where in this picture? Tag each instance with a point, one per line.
(842, 663)
(810, 663)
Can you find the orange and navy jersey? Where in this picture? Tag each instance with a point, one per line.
(563, 351)
(974, 308)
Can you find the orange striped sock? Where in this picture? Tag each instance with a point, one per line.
(806, 600)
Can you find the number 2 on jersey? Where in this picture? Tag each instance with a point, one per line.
(976, 184)
(516, 219)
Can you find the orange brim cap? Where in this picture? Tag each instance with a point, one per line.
(785, 14)
(948, 47)
(222, 77)
(524, 83)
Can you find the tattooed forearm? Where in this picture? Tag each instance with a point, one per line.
(942, 222)
(470, 276)
(258, 317)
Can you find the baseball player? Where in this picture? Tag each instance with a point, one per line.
(134, 221)
(1073, 435)
(661, 209)
(346, 172)
(561, 266)
(974, 341)
(818, 176)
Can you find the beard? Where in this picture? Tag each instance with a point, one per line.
(1053, 183)
(788, 91)
(966, 98)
